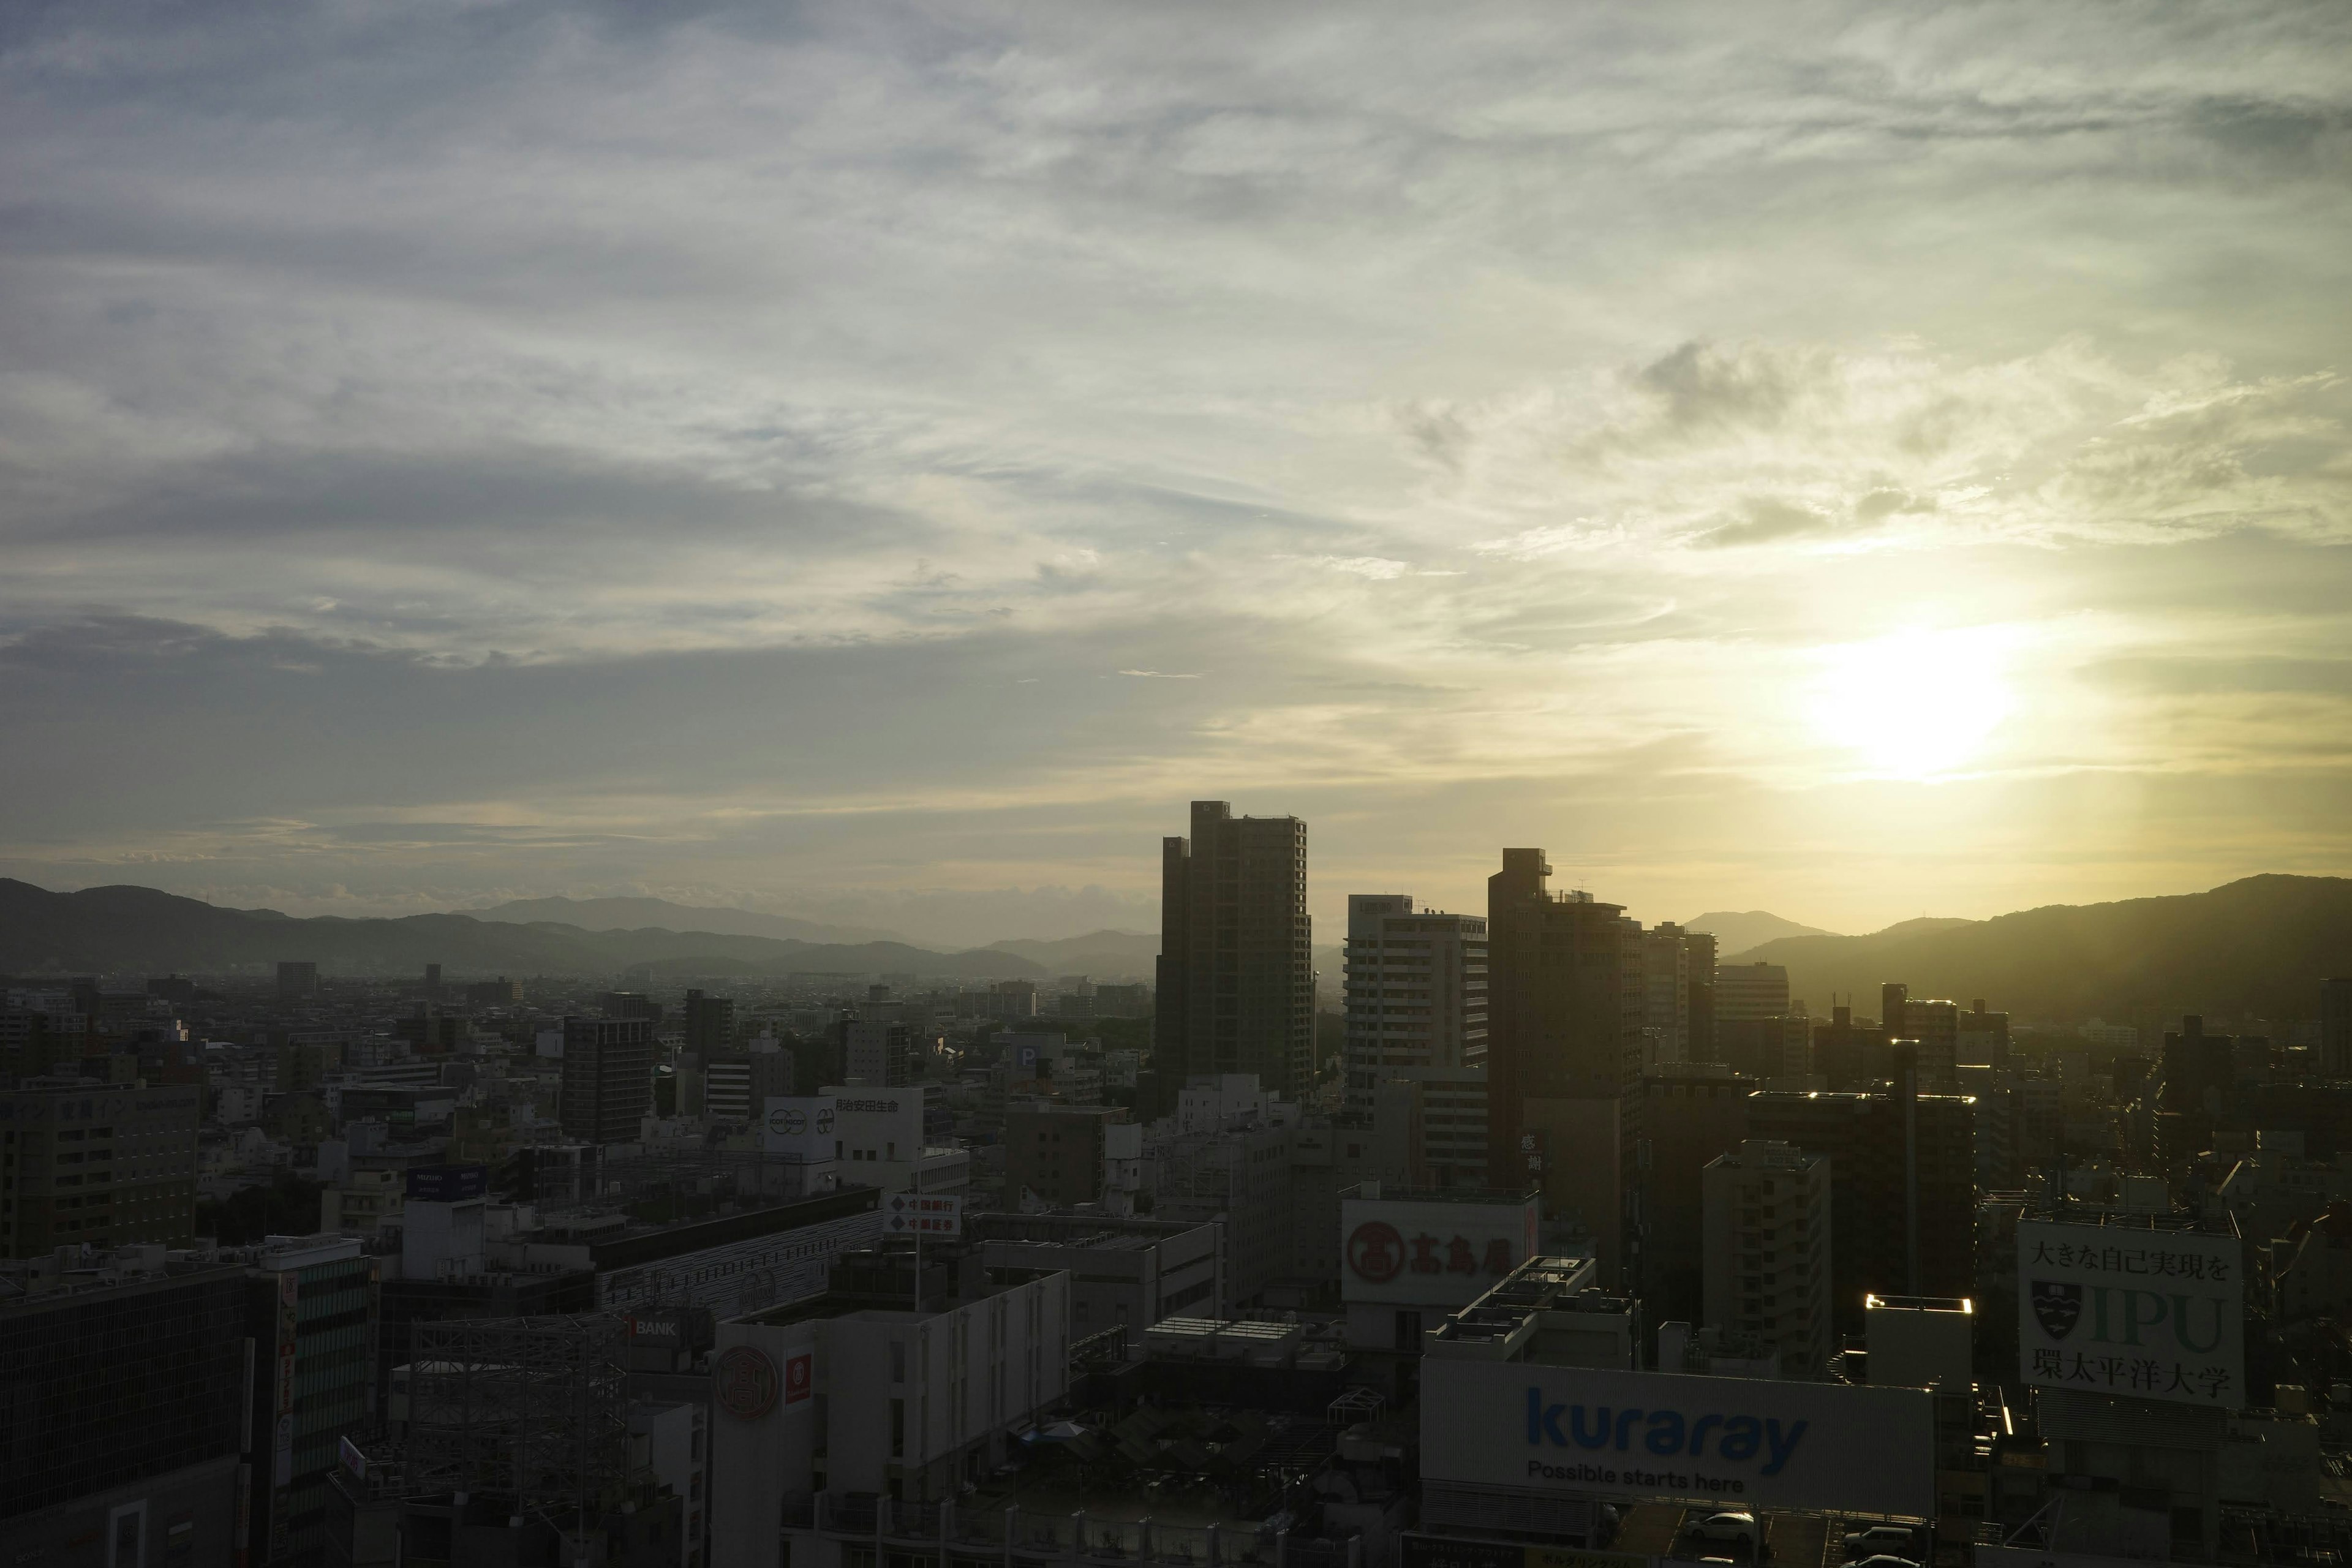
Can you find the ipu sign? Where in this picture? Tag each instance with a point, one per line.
(2144, 1313)
(1629, 1436)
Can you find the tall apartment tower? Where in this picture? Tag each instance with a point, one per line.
(608, 1078)
(1901, 1184)
(1700, 965)
(1236, 972)
(1567, 996)
(1666, 973)
(710, 1024)
(2335, 1027)
(1417, 985)
(1767, 1250)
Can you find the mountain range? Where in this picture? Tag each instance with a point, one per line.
(1099, 955)
(127, 929)
(1737, 931)
(2257, 947)
(636, 914)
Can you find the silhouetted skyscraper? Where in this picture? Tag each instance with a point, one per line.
(2335, 1027)
(608, 1078)
(1236, 971)
(1566, 995)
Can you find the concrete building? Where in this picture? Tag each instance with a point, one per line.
(1567, 998)
(1129, 1273)
(1667, 996)
(1055, 1154)
(1902, 1186)
(97, 1166)
(883, 1389)
(1767, 1249)
(1934, 1026)
(1236, 983)
(2335, 1027)
(126, 1383)
(710, 1024)
(1429, 1127)
(1416, 992)
(1750, 991)
(882, 1141)
(608, 1078)
(311, 1311)
(1691, 1113)
(878, 1053)
(733, 1087)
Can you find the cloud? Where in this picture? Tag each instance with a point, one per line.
(527, 425)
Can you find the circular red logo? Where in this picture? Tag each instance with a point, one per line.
(744, 1380)
(1376, 1252)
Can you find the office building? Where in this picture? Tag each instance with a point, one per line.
(1769, 1244)
(1429, 1127)
(734, 1088)
(1902, 1186)
(124, 1390)
(708, 1024)
(884, 1388)
(1983, 1038)
(608, 1078)
(1054, 1154)
(1129, 1273)
(1566, 1000)
(1934, 1027)
(1011, 1000)
(2335, 1027)
(310, 1312)
(1691, 1113)
(880, 1054)
(1750, 991)
(1416, 991)
(1235, 990)
(97, 1166)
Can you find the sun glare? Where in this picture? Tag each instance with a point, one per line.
(1915, 704)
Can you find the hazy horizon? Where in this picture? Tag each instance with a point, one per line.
(891, 458)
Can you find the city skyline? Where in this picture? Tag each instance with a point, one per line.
(1858, 468)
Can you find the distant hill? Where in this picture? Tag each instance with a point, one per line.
(634, 914)
(130, 929)
(1736, 933)
(1101, 955)
(2257, 947)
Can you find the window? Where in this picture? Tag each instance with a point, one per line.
(898, 1360)
(898, 1429)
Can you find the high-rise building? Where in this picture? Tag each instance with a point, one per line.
(1934, 1026)
(710, 1024)
(2335, 1027)
(1692, 1112)
(1416, 991)
(310, 1310)
(1566, 1000)
(1235, 990)
(121, 1445)
(1750, 991)
(880, 1054)
(101, 1165)
(1983, 1038)
(1666, 976)
(608, 1078)
(1769, 1240)
(1903, 1185)
(1850, 1054)
(1701, 967)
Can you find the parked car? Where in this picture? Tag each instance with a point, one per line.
(1895, 1540)
(1734, 1525)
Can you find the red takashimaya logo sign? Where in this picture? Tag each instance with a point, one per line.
(1376, 1252)
(744, 1380)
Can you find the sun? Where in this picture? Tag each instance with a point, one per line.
(1915, 704)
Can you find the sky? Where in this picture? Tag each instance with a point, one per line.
(880, 461)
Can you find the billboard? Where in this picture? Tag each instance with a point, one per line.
(922, 1213)
(447, 1183)
(2146, 1314)
(801, 1126)
(1430, 1254)
(1632, 1435)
